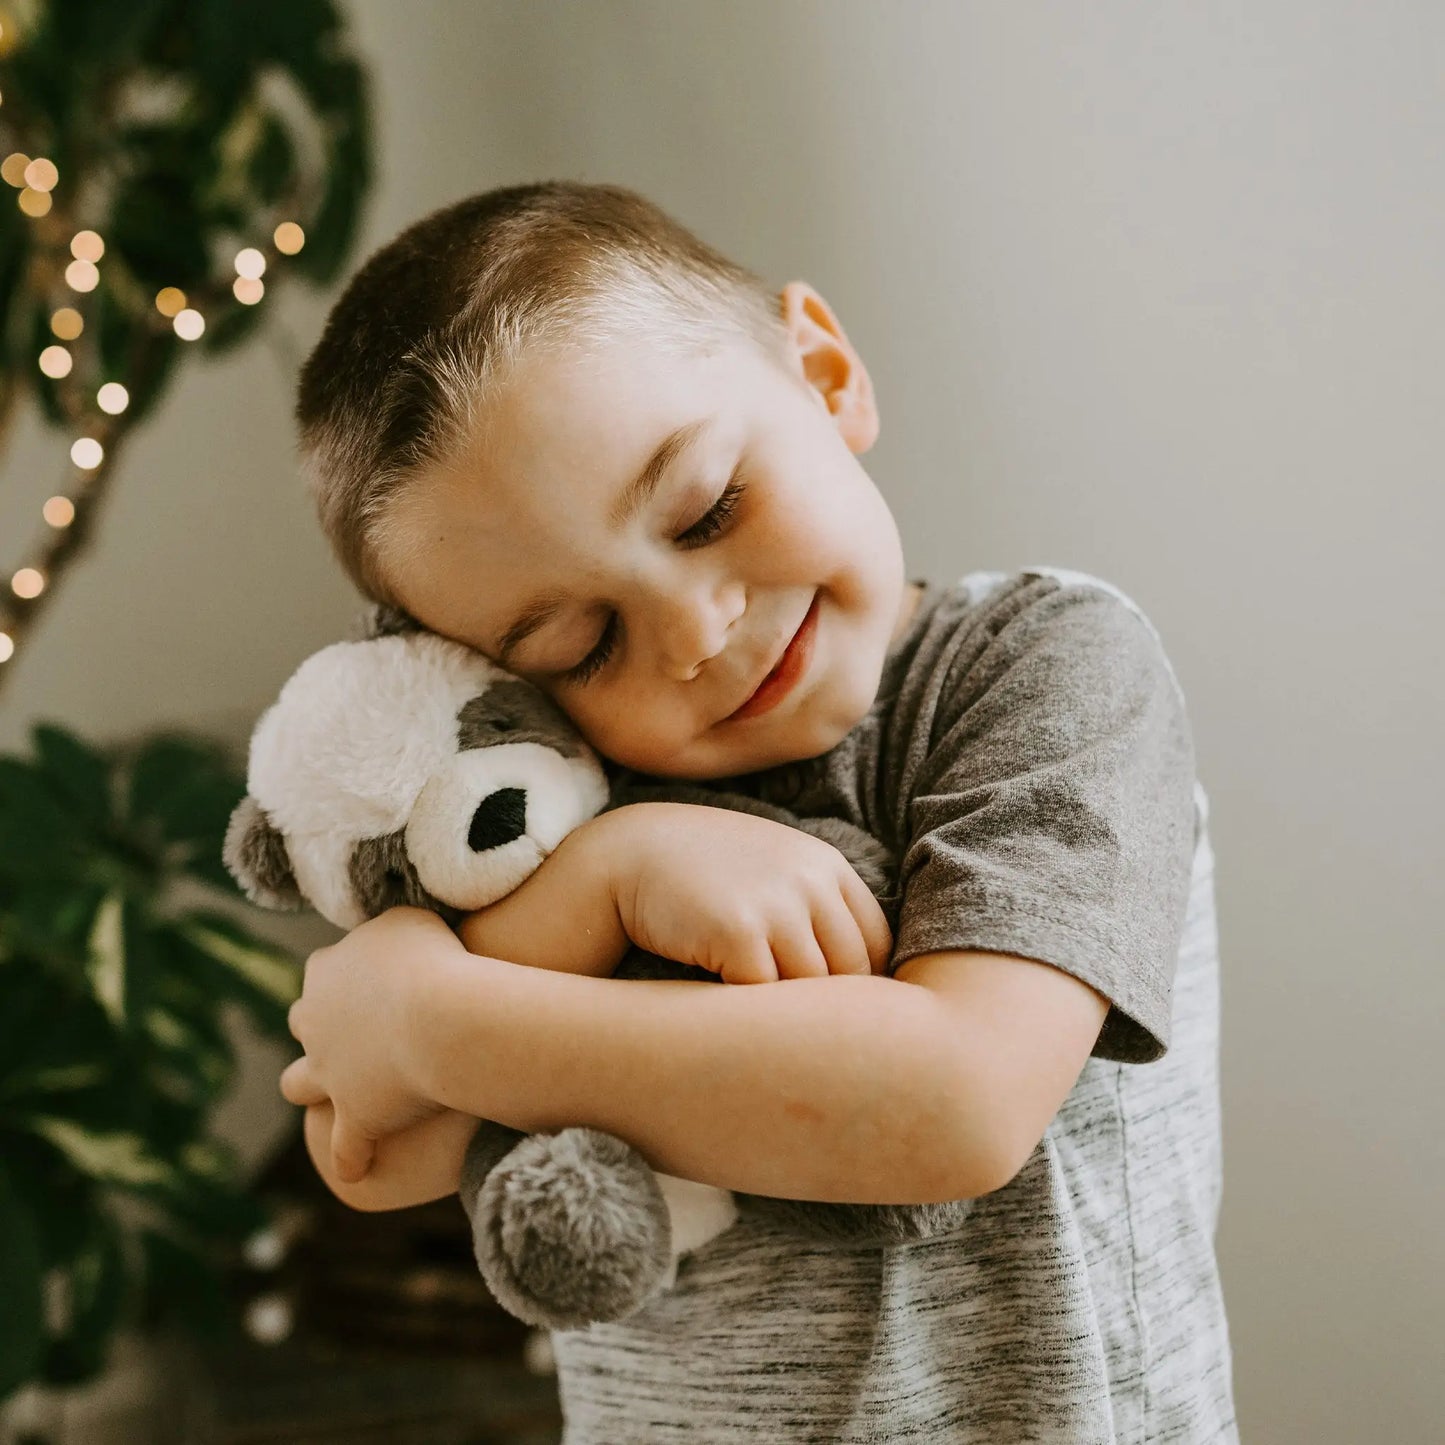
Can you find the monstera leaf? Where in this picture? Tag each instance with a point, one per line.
(113, 1053)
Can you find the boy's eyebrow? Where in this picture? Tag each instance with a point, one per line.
(635, 495)
(633, 498)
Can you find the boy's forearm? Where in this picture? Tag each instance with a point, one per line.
(850, 1089)
(417, 1165)
(562, 917)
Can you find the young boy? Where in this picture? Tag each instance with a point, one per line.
(552, 424)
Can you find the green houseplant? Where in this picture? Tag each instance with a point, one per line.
(165, 167)
(117, 1205)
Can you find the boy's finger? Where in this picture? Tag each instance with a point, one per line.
(798, 954)
(351, 1151)
(838, 936)
(299, 1085)
(871, 921)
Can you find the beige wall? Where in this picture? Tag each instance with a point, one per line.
(1152, 292)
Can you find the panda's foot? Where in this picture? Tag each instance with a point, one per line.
(571, 1229)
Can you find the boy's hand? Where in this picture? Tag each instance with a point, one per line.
(420, 1163)
(354, 1019)
(749, 899)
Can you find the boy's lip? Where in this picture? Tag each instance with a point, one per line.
(787, 668)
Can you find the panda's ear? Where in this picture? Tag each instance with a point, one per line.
(255, 852)
(384, 620)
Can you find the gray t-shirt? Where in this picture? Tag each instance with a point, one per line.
(1029, 761)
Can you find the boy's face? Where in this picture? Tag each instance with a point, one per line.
(679, 611)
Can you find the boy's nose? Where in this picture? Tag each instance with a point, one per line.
(696, 630)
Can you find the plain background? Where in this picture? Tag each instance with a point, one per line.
(1149, 291)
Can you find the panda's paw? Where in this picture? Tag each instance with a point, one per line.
(571, 1229)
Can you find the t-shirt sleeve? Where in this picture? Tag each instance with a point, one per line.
(1052, 813)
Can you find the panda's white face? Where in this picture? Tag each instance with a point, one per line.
(410, 770)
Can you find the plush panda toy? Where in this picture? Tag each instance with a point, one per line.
(407, 769)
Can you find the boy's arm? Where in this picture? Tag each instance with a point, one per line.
(932, 1085)
(562, 917)
(418, 1165)
(850, 1089)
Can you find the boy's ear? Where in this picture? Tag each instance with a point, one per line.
(828, 363)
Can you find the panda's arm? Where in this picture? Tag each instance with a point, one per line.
(563, 917)
(413, 1166)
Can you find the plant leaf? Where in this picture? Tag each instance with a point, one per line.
(97, 1283)
(258, 975)
(22, 1318)
(106, 959)
(115, 1157)
(75, 772)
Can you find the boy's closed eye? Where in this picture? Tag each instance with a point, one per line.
(702, 531)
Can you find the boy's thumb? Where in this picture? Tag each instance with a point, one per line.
(351, 1151)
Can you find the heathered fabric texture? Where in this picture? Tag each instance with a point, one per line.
(1030, 762)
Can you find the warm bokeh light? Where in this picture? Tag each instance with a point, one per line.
(59, 511)
(87, 453)
(12, 168)
(113, 398)
(289, 238)
(55, 362)
(170, 300)
(27, 583)
(41, 175)
(248, 290)
(7, 647)
(82, 276)
(35, 203)
(189, 324)
(250, 263)
(67, 323)
(87, 246)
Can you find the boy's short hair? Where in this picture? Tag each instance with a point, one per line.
(435, 319)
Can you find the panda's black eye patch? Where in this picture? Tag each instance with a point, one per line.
(500, 817)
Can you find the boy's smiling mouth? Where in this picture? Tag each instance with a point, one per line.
(786, 672)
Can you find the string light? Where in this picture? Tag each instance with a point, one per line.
(27, 583)
(87, 453)
(12, 168)
(82, 276)
(113, 398)
(59, 511)
(55, 362)
(35, 179)
(289, 238)
(41, 175)
(86, 246)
